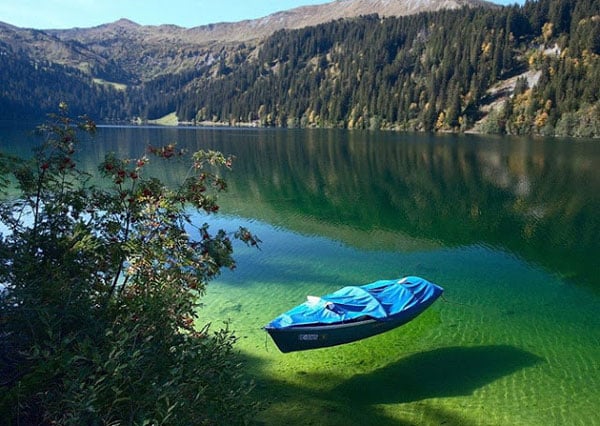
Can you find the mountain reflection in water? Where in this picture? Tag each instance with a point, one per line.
(535, 198)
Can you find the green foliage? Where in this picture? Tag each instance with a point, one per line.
(98, 319)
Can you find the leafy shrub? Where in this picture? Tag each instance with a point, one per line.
(97, 323)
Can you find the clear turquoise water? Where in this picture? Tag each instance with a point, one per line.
(511, 344)
(509, 227)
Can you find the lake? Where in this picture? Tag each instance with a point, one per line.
(509, 227)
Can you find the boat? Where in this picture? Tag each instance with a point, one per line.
(352, 313)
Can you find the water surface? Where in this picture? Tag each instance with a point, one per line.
(509, 227)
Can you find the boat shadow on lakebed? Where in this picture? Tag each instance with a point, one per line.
(444, 372)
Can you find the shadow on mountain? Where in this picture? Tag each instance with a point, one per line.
(446, 372)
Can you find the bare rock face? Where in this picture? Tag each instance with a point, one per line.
(306, 16)
(258, 28)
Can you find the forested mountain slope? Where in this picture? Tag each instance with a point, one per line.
(531, 69)
(421, 72)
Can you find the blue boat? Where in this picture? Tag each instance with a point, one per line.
(352, 313)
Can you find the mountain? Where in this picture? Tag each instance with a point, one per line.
(105, 61)
(152, 50)
(393, 64)
(304, 16)
(129, 53)
(308, 16)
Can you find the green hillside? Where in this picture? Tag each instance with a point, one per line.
(531, 69)
(442, 71)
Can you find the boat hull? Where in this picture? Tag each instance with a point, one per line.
(302, 338)
(352, 313)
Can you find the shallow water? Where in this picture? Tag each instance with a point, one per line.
(510, 344)
(509, 227)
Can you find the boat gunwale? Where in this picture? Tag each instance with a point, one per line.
(333, 326)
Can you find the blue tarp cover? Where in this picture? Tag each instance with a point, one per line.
(379, 300)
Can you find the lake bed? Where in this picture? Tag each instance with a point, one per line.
(509, 227)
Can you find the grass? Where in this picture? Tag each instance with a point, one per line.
(118, 86)
(168, 120)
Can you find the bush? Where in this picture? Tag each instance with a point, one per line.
(102, 286)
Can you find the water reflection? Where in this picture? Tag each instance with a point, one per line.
(538, 199)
